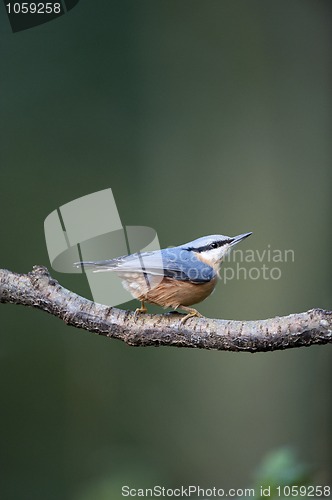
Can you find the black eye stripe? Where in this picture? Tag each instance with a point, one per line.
(211, 246)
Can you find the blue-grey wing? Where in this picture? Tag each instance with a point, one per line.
(173, 263)
(184, 266)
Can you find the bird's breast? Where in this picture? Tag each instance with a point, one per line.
(168, 292)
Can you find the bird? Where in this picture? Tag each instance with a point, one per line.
(175, 277)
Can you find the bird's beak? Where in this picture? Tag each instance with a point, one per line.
(239, 238)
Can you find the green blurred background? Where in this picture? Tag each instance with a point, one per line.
(203, 117)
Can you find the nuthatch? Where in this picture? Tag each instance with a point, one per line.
(175, 277)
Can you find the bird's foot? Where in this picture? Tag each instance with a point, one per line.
(191, 313)
(141, 309)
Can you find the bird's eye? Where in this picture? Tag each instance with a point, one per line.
(214, 245)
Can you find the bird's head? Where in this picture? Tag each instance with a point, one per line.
(213, 249)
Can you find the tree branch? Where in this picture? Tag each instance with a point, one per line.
(38, 289)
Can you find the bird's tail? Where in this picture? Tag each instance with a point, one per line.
(95, 265)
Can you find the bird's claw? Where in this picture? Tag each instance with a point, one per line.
(141, 310)
(192, 313)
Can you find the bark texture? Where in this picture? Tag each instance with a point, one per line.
(38, 289)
